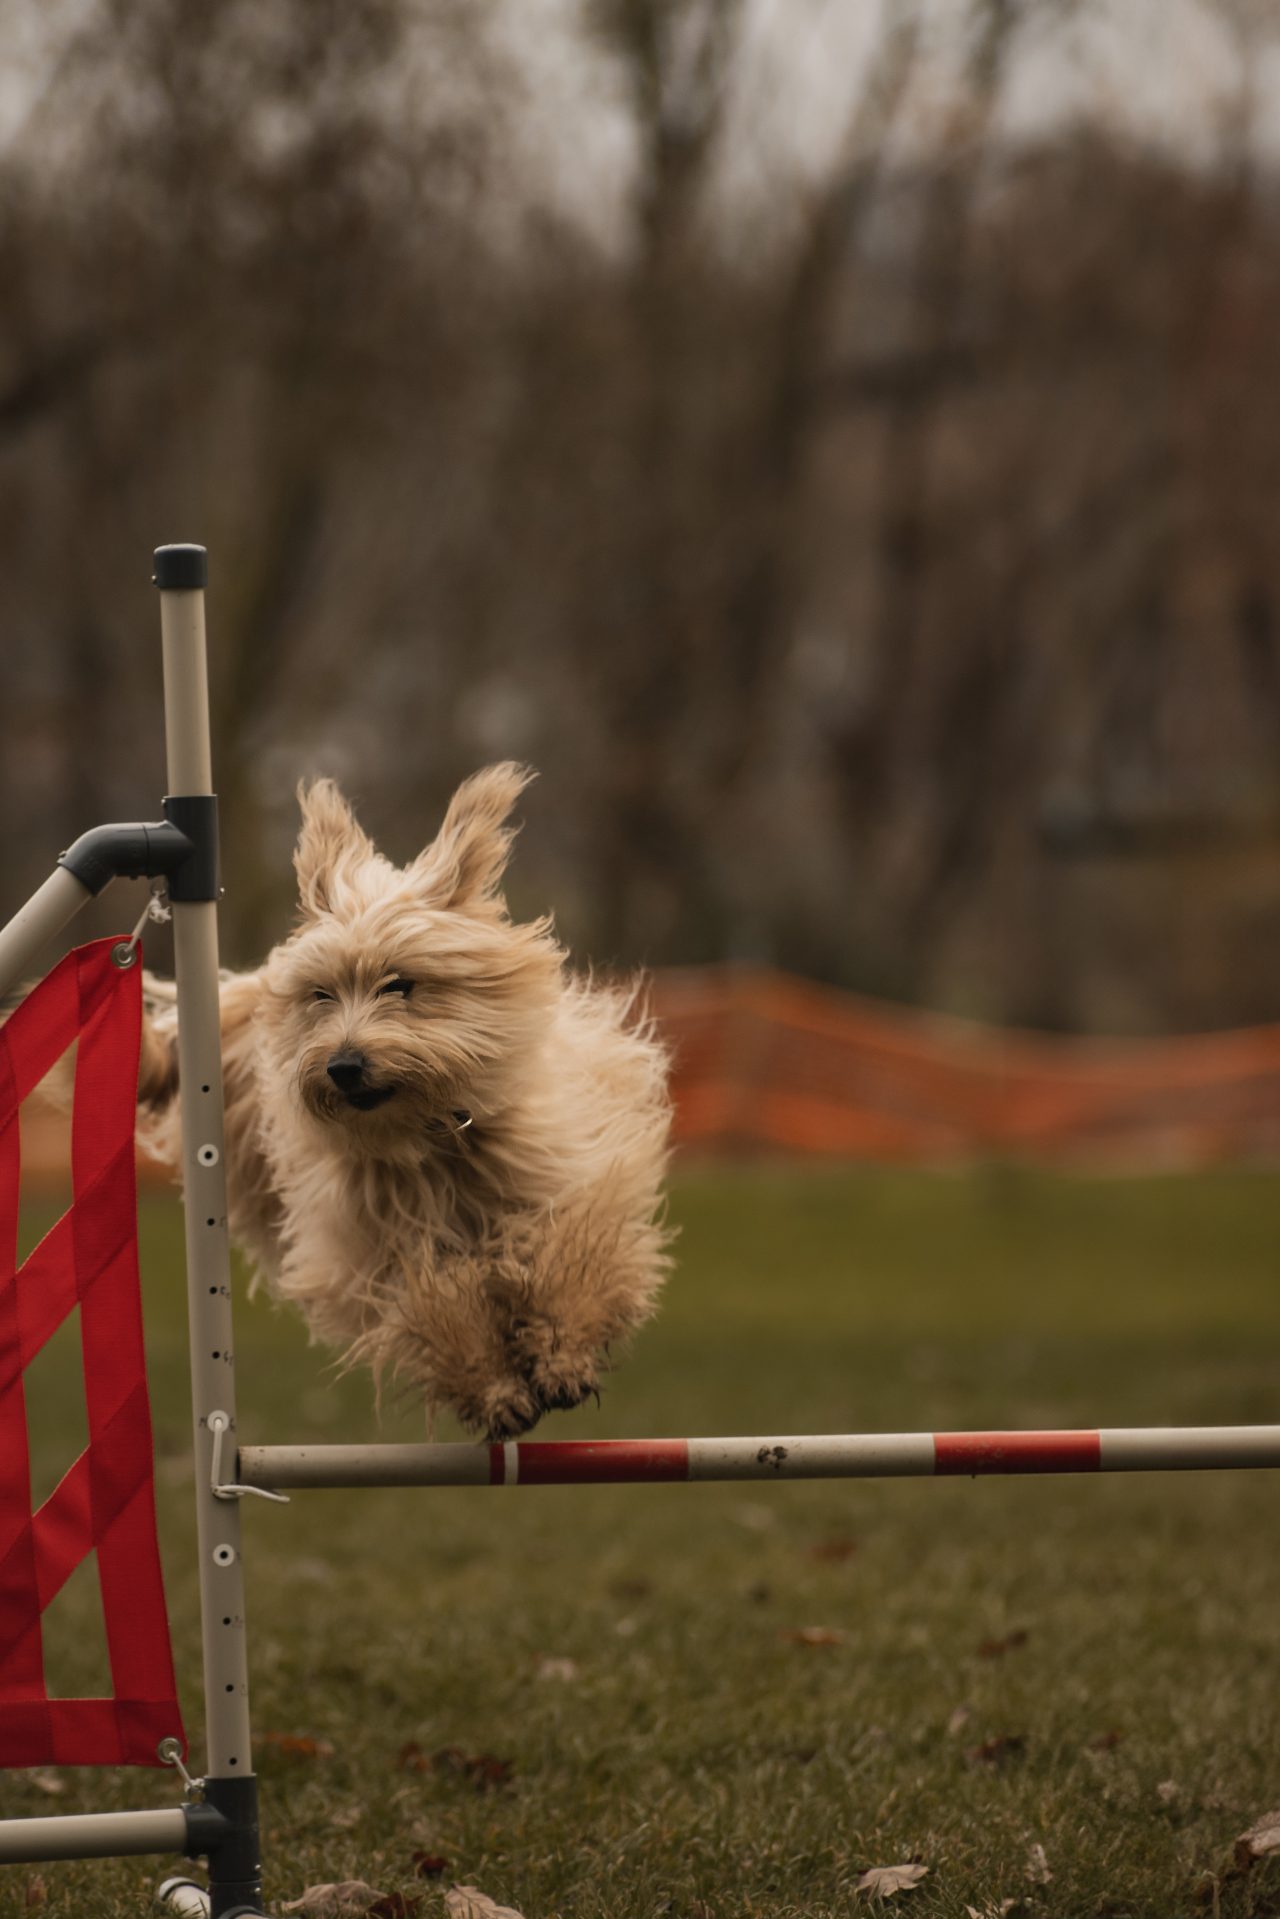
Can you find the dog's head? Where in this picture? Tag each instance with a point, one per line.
(407, 1001)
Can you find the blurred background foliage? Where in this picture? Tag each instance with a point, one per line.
(839, 446)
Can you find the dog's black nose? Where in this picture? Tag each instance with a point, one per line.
(346, 1070)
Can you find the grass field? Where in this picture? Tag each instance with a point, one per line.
(1091, 1666)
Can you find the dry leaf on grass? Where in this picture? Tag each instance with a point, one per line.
(881, 1882)
(1260, 1841)
(298, 1745)
(394, 1905)
(468, 1902)
(1037, 1866)
(959, 1720)
(429, 1865)
(996, 1648)
(997, 1751)
(335, 1902)
(631, 1588)
(1168, 1792)
(35, 1892)
(833, 1552)
(44, 1779)
(1001, 1911)
(485, 1772)
(814, 1636)
(549, 1668)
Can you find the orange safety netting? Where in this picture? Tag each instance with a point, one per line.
(764, 1062)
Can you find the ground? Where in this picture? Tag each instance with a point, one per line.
(641, 1722)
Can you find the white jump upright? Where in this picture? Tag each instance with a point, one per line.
(219, 1820)
(220, 1824)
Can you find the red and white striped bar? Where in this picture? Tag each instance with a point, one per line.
(811, 1456)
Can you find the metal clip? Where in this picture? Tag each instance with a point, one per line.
(218, 1424)
(169, 1753)
(125, 952)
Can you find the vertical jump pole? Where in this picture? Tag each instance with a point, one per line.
(181, 573)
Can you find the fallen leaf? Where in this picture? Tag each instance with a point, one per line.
(994, 1752)
(36, 1892)
(881, 1882)
(44, 1779)
(394, 1905)
(1106, 1742)
(959, 1720)
(625, 1628)
(429, 1865)
(468, 1902)
(1037, 1867)
(1169, 1792)
(814, 1636)
(566, 1669)
(997, 1648)
(485, 1772)
(1261, 1839)
(833, 1552)
(345, 1818)
(994, 1912)
(332, 1902)
(298, 1745)
(631, 1588)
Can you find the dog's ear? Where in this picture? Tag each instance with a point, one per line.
(331, 847)
(466, 860)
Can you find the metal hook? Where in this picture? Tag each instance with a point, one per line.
(169, 1753)
(218, 1424)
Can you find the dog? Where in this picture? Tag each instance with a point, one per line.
(442, 1146)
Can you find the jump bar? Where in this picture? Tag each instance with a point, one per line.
(811, 1456)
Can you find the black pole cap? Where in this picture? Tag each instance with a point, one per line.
(181, 568)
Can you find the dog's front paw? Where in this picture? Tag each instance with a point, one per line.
(561, 1384)
(504, 1410)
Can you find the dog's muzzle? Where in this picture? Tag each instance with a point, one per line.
(347, 1070)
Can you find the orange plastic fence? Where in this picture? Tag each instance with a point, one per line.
(768, 1063)
(765, 1063)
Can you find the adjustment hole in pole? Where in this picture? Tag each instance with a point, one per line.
(211, 1222)
(213, 1289)
(229, 1689)
(204, 1089)
(233, 1761)
(227, 1620)
(217, 1355)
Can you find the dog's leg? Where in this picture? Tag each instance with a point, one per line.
(586, 1286)
(439, 1335)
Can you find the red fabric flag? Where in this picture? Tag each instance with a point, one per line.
(106, 1501)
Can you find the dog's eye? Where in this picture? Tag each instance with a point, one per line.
(319, 994)
(402, 986)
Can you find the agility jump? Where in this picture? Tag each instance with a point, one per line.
(106, 1500)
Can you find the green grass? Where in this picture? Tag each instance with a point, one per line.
(697, 1761)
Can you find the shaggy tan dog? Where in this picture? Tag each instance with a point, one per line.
(441, 1146)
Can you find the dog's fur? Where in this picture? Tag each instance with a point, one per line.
(488, 1266)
